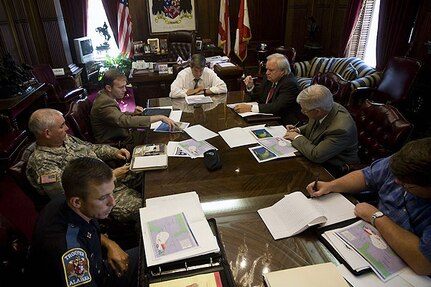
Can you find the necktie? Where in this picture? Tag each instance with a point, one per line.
(196, 83)
(270, 93)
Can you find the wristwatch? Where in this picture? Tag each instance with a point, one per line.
(376, 215)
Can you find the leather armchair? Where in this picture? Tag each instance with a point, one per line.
(382, 131)
(11, 140)
(181, 43)
(339, 87)
(395, 86)
(78, 119)
(58, 97)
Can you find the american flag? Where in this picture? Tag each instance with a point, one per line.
(124, 29)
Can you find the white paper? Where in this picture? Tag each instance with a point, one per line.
(335, 207)
(200, 133)
(247, 114)
(174, 150)
(277, 131)
(238, 136)
(187, 203)
(175, 116)
(198, 99)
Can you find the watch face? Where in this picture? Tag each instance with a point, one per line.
(378, 214)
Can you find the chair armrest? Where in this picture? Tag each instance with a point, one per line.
(76, 93)
(359, 95)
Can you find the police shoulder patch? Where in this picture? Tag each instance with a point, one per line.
(76, 267)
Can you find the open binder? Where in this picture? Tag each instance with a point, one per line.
(208, 263)
(328, 245)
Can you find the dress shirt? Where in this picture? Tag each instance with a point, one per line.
(185, 81)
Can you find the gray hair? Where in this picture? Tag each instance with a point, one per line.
(316, 96)
(41, 120)
(282, 62)
(198, 61)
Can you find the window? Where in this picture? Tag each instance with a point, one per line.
(96, 20)
(362, 43)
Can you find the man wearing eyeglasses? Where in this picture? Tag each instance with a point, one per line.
(403, 214)
(330, 136)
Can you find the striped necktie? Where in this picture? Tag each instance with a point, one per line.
(270, 93)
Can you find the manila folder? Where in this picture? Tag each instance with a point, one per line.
(321, 275)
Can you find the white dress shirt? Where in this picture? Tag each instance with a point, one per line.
(185, 81)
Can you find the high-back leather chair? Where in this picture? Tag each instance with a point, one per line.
(395, 86)
(78, 119)
(336, 84)
(181, 43)
(58, 98)
(382, 131)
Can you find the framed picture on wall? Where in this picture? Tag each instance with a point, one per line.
(167, 16)
(154, 45)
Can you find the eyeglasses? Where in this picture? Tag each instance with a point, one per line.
(307, 111)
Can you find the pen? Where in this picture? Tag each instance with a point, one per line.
(297, 124)
(315, 183)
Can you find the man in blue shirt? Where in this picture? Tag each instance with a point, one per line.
(403, 215)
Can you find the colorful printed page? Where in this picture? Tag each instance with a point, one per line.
(195, 148)
(368, 242)
(170, 234)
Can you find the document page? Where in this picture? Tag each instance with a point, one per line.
(163, 207)
(200, 133)
(247, 114)
(335, 206)
(238, 136)
(291, 215)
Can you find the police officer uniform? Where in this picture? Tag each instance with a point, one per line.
(66, 250)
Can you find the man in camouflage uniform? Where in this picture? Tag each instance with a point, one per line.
(55, 148)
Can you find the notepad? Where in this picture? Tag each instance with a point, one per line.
(295, 213)
(148, 157)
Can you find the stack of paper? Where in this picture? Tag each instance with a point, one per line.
(295, 213)
(247, 114)
(167, 238)
(198, 99)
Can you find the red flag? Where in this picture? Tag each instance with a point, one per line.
(124, 29)
(243, 32)
(224, 27)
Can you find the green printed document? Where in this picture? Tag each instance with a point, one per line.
(368, 242)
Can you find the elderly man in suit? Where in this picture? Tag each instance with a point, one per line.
(277, 92)
(330, 136)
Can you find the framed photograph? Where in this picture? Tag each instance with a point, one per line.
(163, 46)
(167, 16)
(198, 45)
(163, 68)
(138, 47)
(147, 49)
(154, 45)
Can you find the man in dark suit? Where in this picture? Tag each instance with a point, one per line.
(330, 136)
(277, 92)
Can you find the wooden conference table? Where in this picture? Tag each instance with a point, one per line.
(233, 194)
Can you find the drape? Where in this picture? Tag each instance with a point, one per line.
(351, 16)
(396, 19)
(75, 17)
(111, 13)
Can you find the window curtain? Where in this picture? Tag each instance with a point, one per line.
(111, 13)
(353, 10)
(396, 20)
(75, 17)
(361, 30)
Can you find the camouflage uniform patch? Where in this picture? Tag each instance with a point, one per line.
(76, 267)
